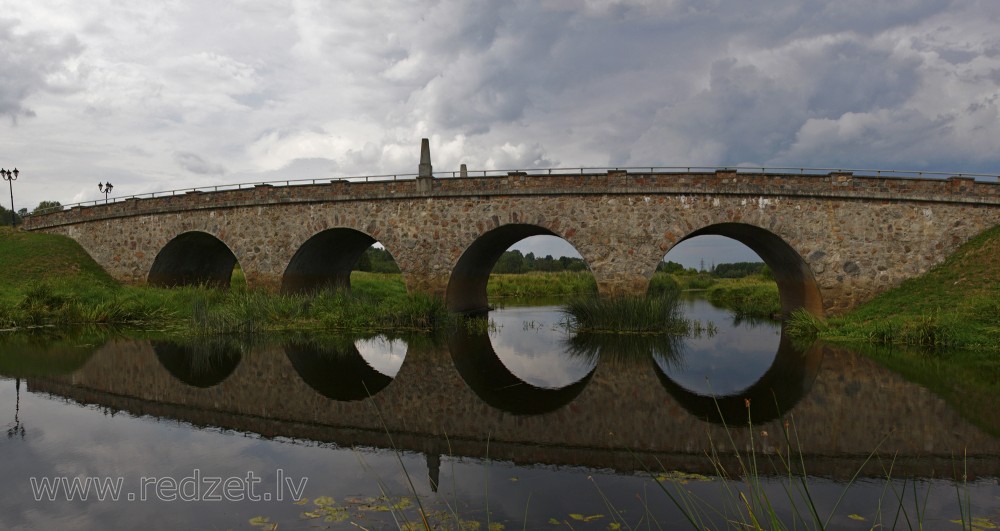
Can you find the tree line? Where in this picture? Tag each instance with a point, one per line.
(6, 214)
(379, 260)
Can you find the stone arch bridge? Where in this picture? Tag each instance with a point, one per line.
(833, 240)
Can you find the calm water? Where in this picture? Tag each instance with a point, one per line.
(517, 423)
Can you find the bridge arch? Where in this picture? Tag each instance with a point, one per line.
(797, 286)
(466, 290)
(193, 258)
(325, 260)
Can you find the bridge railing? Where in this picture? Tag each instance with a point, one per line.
(901, 174)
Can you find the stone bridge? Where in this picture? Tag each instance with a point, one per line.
(833, 241)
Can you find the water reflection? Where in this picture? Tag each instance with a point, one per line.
(479, 363)
(201, 365)
(714, 375)
(625, 349)
(16, 428)
(777, 391)
(531, 342)
(264, 417)
(384, 354)
(27, 355)
(726, 362)
(347, 369)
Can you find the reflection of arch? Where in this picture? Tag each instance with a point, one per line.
(486, 375)
(336, 372)
(325, 260)
(786, 381)
(203, 366)
(193, 258)
(796, 285)
(467, 286)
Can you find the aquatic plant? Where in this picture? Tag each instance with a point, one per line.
(626, 314)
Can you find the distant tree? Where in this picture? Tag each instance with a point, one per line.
(529, 262)
(376, 260)
(510, 262)
(766, 273)
(669, 267)
(513, 262)
(6, 215)
(46, 205)
(364, 262)
(737, 269)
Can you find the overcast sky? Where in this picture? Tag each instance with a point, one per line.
(155, 95)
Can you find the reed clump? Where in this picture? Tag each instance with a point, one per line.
(626, 314)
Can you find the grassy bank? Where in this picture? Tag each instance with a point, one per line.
(746, 297)
(751, 296)
(955, 305)
(538, 284)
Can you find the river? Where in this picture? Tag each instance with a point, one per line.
(514, 424)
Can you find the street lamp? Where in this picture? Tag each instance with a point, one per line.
(106, 188)
(10, 176)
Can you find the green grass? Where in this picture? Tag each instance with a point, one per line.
(747, 297)
(663, 284)
(955, 305)
(538, 284)
(30, 257)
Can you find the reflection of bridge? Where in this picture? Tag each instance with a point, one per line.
(431, 407)
(832, 240)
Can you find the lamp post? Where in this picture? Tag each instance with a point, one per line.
(11, 176)
(106, 188)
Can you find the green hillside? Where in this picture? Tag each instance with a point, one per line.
(956, 304)
(27, 258)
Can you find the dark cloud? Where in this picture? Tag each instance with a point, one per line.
(196, 164)
(27, 64)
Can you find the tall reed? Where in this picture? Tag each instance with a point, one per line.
(626, 314)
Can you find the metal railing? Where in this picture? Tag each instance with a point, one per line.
(918, 174)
